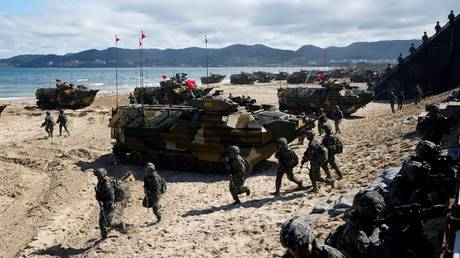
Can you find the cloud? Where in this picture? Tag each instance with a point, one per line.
(70, 26)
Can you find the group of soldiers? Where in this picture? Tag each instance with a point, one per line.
(49, 123)
(403, 219)
(401, 98)
(109, 193)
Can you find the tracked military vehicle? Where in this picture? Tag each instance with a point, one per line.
(194, 137)
(330, 94)
(2, 107)
(172, 91)
(65, 96)
(213, 78)
(281, 76)
(264, 77)
(242, 78)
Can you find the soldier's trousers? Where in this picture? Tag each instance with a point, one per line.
(107, 220)
(331, 161)
(65, 128)
(237, 187)
(392, 105)
(320, 128)
(315, 174)
(337, 126)
(49, 130)
(400, 105)
(290, 175)
(156, 207)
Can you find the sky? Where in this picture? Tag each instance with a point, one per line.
(64, 26)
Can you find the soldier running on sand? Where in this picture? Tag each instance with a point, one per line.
(337, 115)
(154, 187)
(334, 146)
(49, 124)
(287, 160)
(238, 169)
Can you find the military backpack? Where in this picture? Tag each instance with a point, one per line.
(322, 153)
(119, 190)
(293, 160)
(338, 146)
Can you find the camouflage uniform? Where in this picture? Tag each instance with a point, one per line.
(337, 115)
(330, 142)
(285, 156)
(401, 99)
(314, 154)
(393, 100)
(237, 167)
(322, 120)
(418, 93)
(153, 188)
(62, 121)
(49, 124)
(132, 99)
(105, 195)
(297, 237)
(433, 126)
(400, 59)
(412, 49)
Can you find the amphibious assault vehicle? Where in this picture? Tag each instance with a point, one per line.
(309, 100)
(65, 96)
(172, 91)
(213, 78)
(2, 107)
(264, 77)
(195, 136)
(242, 78)
(281, 76)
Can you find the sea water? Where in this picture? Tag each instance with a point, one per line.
(22, 82)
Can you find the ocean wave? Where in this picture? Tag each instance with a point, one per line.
(97, 84)
(82, 80)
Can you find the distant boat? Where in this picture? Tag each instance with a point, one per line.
(213, 78)
(65, 96)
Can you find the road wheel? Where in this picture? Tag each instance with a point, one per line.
(205, 166)
(136, 157)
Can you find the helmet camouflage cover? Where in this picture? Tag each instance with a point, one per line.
(296, 233)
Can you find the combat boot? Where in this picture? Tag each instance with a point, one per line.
(248, 192)
(330, 182)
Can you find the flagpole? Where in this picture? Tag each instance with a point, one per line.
(206, 51)
(116, 68)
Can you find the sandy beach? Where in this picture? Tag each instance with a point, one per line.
(47, 204)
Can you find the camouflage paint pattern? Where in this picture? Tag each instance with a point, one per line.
(242, 78)
(65, 96)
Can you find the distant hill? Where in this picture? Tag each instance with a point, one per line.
(234, 55)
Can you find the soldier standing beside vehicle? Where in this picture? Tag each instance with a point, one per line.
(106, 196)
(298, 238)
(49, 124)
(62, 121)
(337, 115)
(154, 187)
(334, 146)
(322, 120)
(132, 99)
(393, 101)
(238, 169)
(401, 99)
(287, 160)
(316, 153)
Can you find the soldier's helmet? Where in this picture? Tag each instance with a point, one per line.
(47, 112)
(150, 167)
(410, 169)
(327, 128)
(368, 205)
(426, 150)
(61, 111)
(233, 151)
(296, 233)
(281, 141)
(432, 109)
(100, 172)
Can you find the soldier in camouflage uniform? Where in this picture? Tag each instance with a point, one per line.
(434, 126)
(360, 237)
(132, 99)
(49, 124)
(287, 160)
(393, 99)
(238, 170)
(337, 115)
(331, 142)
(412, 49)
(154, 187)
(317, 155)
(401, 99)
(418, 93)
(62, 121)
(105, 195)
(298, 238)
(322, 120)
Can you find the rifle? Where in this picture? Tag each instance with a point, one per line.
(413, 213)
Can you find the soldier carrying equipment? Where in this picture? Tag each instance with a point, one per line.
(154, 187)
(337, 115)
(49, 124)
(322, 120)
(393, 100)
(62, 121)
(106, 197)
(287, 160)
(238, 168)
(297, 236)
(317, 154)
(401, 99)
(334, 146)
(434, 126)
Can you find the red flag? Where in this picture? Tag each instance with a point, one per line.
(142, 35)
(164, 77)
(205, 39)
(190, 84)
(140, 43)
(58, 81)
(117, 38)
(321, 76)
